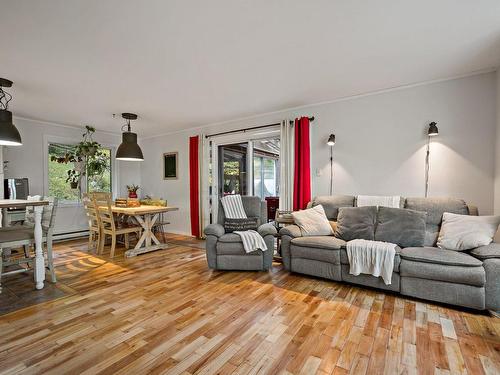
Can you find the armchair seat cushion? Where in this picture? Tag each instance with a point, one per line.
(230, 237)
(234, 248)
(439, 256)
(321, 242)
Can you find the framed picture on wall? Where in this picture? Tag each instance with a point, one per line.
(170, 166)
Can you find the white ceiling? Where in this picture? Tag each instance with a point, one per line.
(182, 64)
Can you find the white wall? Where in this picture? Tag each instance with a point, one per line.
(29, 160)
(380, 145)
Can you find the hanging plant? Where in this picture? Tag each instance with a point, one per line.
(87, 159)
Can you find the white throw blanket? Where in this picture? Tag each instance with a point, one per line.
(379, 200)
(252, 241)
(233, 207)
(372, 257)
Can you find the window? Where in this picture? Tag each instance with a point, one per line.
(58, 173)
(265, 177)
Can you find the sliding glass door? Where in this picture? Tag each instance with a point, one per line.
(242, 163)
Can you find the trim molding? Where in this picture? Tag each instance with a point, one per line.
(74, 127)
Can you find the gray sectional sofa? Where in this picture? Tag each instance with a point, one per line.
(470, 279)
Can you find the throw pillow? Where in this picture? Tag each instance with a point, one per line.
(312, 221)
(356, 223)
(465, 232)
(404, 227)
(250, 223)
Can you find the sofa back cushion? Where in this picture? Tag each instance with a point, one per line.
(435, 207)
(356, 223)
(403, 227)
(332, 203)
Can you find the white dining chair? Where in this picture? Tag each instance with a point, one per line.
(23, 235)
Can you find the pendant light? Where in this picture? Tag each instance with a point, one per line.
(9, 135)
(129, 150)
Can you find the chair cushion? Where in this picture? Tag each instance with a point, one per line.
(230, 237)
(11, 235)
(344, 259)
(320, 242)
(234, 248)
(404, 227)
(356, 223)
(439, 256)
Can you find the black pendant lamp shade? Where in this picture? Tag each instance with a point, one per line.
(9, 135)
(433, 129)
(331, 140)
(129, 150)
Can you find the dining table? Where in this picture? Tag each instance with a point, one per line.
(39, 263)
(146, 216)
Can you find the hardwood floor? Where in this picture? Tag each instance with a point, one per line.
(166, 312)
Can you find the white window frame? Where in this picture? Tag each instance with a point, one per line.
(48, 139)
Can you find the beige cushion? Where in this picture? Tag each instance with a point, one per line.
(465, 232)
(313, 221)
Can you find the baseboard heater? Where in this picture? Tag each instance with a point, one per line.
(70, 235)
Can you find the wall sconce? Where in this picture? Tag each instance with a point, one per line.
(431, 132)
(331, 143)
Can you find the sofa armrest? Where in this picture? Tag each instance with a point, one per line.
(216, 230)
(291, 231)
(487, 252)
(267, 229)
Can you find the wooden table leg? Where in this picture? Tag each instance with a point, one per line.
(145, 243)
(39, 271)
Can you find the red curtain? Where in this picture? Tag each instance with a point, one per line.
(194, 185)
(302, 172)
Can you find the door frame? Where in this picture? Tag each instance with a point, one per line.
(211, 167)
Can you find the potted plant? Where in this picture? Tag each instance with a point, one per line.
(132, 191)
(73, 178)
(86, 158)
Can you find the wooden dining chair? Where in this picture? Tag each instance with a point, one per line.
(93, 221)
(108, 225)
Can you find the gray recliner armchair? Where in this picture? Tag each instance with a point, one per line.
(225, 250)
